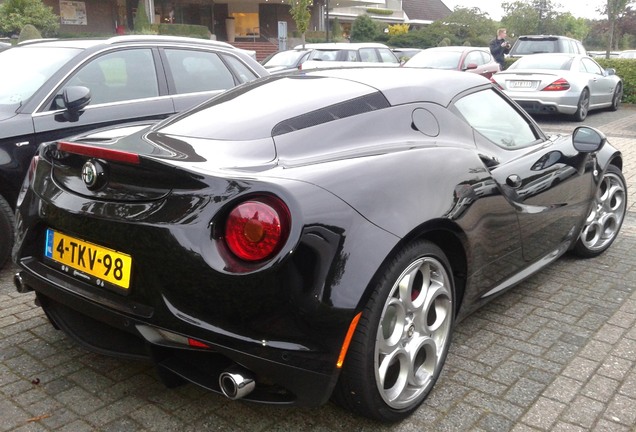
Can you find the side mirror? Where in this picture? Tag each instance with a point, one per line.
(75, 99)
(470, 66)
(610, 71)
(588, 140)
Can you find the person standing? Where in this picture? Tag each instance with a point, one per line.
(499, 47)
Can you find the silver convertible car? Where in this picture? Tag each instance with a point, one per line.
(570, 84)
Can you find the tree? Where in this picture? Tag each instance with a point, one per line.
(15, 14)
(364, 29)
(471, 25)
(614, 9)
(300, 13)
(142, 23)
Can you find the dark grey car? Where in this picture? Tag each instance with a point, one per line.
(56, 88)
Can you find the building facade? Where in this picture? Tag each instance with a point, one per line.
(249, 19)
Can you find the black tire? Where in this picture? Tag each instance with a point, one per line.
(617, 97)
(583, 106)
(7, 224)
(411, 308)
(606, 217)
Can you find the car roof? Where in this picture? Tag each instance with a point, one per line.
(548, 37)
(456, 48)
(342, 45)
(408, 85)
(85, 43)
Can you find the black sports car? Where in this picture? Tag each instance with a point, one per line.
(292, 249)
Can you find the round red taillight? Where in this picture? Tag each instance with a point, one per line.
(255, 230)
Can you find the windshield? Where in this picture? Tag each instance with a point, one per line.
(284, 58)
(25, 69)
(435, 59)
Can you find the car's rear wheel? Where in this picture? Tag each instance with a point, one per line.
(6, 231)
(616, 98)
(401, 341)
(606, 216)
(583, 106)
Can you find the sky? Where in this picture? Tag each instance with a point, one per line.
(578, 8)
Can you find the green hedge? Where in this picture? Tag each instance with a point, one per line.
(191, 30)
(625, 68)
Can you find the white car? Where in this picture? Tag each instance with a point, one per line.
(326, 55)
(571, 84)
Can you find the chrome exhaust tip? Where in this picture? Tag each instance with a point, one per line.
(20, 285)
(236, 383)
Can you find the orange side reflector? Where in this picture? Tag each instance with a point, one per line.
(347, 341)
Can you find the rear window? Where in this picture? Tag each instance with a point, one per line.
(257, 110)
(532, 46)
(553, 62)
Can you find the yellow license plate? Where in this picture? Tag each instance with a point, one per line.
(88, 261)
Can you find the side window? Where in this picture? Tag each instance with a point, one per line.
(592, 67)
(118, 76)
(473, 57)
(387, 56)
(368, 55)
(500, 123)
(243, 72)
(351, 56)
(198, 71)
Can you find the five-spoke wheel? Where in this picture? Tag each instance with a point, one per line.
(606, 215)
(403, 336)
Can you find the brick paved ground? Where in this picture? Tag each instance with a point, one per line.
(556, 353)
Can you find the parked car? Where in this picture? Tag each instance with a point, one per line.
(328, 55)
(603, 54)
(317, 252)
(56, 88)
(470, 59)
(285, 61)
(536, 44)
(404, 54)
(570, 84)
(627, 54)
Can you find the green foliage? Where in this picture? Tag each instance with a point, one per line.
(15, 14)
(444, 42)
(190, 30)
(301, 14)
(364, 29)
(470, 25)
(142, 23)
(336, 31)
(375, 11)
(626, 69)
(29, 32)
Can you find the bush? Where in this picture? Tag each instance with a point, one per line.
(190, 30)
(29, 32)
(626, 69)
(142, 23)
(364, 29)
(15, 14)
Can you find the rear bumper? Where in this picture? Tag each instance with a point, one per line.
(546, 103)
(134, 334)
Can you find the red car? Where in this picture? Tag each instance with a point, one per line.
(471, 59)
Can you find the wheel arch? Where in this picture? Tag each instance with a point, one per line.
(449, 238)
